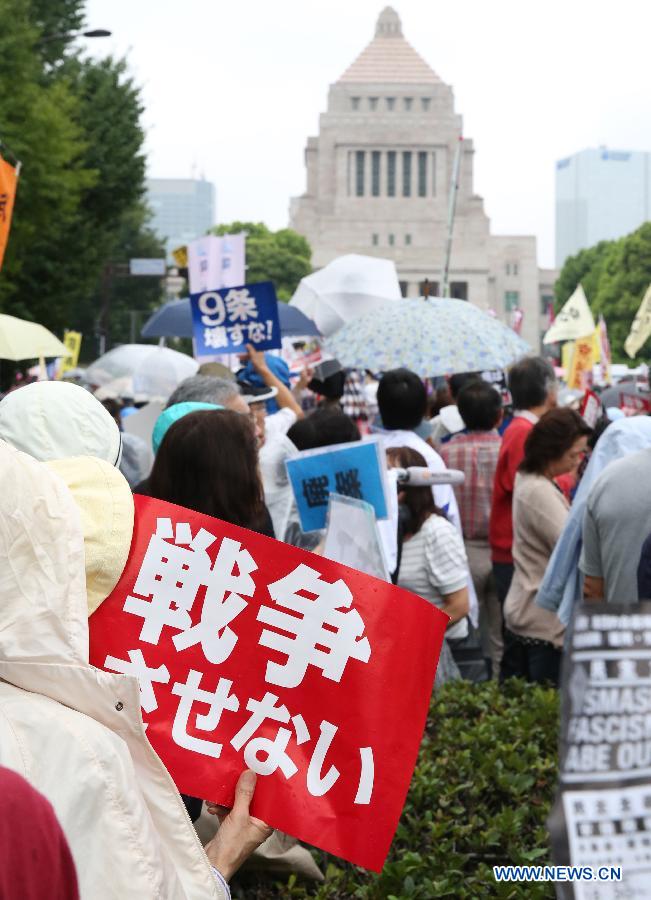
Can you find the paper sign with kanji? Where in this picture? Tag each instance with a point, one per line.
(226, 320)
(250, 652)
(356, 469)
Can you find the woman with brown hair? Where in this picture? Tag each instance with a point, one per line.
(533, 637)
(208, 462)
(433, 561)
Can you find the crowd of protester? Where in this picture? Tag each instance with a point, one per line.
(550, 509)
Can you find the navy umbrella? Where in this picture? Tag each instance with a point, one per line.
(294, 323)
(174, 319)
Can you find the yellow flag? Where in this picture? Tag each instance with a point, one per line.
(579, 375)
(8, 181)
(72, 340)
(574, 321)
(567, 352)
(596, 344)
(641, 327)
(181, 257)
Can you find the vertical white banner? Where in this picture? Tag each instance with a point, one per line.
(232, 260)
(205, 264)
(216, 262)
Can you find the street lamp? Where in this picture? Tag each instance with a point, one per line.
(95, 33)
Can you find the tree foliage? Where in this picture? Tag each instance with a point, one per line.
(129, 300)
(56, 21)
(279, 256)
(584, 268)
(625, 276)
(615, 276)
(38, 126)
(74, 123)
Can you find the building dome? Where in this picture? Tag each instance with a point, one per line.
(389, 58)
(378, 181)
(388, 23)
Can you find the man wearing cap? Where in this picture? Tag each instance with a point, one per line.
(264, 382)
(275, 446)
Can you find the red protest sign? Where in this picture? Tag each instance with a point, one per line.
(590, 408)
(251, 652)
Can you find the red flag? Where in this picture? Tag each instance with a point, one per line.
(251, 652)
(517, 315)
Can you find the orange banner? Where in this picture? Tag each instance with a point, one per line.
(8, 179)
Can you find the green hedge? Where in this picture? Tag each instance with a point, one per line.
(479, 797)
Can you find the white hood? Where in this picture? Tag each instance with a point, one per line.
(43, 613)
(55, 420)
(59, 528)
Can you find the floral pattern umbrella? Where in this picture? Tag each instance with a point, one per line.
(430, 337)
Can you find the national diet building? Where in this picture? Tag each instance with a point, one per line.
(378, 183)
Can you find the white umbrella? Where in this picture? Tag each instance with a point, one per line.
(20, 339)
(119, 389)
(347, 287)
(154, 371)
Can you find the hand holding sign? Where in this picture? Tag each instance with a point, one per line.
(240, 833)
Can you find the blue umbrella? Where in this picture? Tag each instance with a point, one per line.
(174, 319)
(430, 337)
(294, 323)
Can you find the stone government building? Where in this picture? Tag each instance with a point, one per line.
(378, 181)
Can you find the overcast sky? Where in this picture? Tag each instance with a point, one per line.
(233, 89)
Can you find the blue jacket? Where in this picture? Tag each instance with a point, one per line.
(562, 585)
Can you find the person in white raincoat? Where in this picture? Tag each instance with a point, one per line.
(73, 731)
(55, 419)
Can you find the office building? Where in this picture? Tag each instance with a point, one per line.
(182, 209)
(601, 195)
(378, 183)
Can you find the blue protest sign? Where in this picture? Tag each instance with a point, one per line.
(353, 470)
(225, 320)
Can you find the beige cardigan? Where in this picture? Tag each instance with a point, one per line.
(539, 514)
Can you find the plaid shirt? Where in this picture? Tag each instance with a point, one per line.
(475, 453)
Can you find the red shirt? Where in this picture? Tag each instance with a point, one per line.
(35, 859)
(500, 530)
